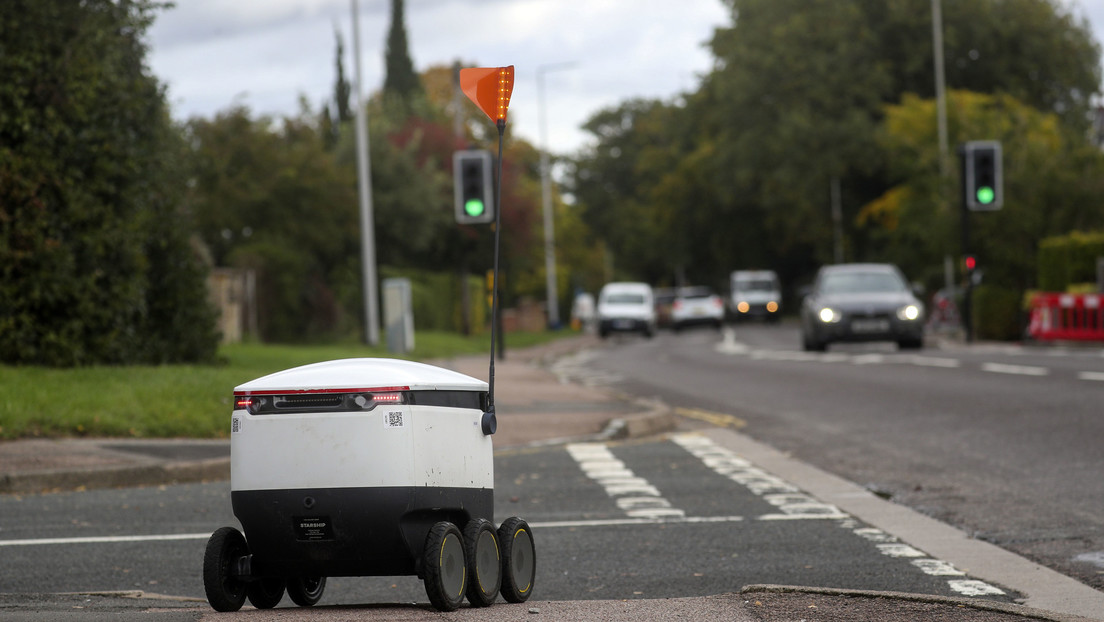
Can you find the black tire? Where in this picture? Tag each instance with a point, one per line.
(306, 591)
(810, 344)
(519, 559)
(225, 591)
(265, 593)
(484, 562)
(444, 567)
(910, 344)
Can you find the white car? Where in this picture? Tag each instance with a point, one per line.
(626, 307)
(696, 305)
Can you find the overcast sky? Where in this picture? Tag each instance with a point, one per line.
(265, 54)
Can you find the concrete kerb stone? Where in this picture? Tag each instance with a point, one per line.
(147, 472)
(955, 601)
(654, 418)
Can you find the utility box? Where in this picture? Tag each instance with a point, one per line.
(398, 315)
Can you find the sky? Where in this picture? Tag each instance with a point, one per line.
(589, 54)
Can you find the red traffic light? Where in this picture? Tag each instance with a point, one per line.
(971, 262)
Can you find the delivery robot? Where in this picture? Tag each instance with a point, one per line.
(365, 467)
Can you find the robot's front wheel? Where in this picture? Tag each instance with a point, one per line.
(519, 559)
(306, 591)
(225, 589)
(265, 593)
(444, 565)
(484, 567)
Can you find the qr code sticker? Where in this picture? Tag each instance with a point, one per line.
(235, 425)
(395, 419)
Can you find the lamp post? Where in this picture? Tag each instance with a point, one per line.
(364, 181)
(546, 199)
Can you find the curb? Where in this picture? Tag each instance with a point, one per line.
(153, 474)
(956, 601)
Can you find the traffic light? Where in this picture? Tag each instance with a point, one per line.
(471, 171)
(971, 263)
(982, 175)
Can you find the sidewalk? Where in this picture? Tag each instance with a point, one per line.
(534, 407)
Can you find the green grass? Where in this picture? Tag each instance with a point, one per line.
(191, 401)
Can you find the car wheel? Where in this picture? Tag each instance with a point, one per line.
(910, 344)
(811, 344)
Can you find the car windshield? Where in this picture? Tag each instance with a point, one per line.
(861, 282)
(625, 299)
(757, 285)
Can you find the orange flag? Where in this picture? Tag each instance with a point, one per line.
(489, 88)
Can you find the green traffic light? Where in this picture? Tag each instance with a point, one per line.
(474, 207)
(985, 195)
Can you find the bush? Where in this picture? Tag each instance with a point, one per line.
(997, 313)
(1069, 259)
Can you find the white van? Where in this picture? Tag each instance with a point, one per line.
(626, 307)
(755, 294)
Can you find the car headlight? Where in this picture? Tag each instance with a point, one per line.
(829, 315)
(908, 313)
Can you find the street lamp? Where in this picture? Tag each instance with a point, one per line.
(546, 199)
(364, 190)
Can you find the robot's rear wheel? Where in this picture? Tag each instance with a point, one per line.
(306, 591)
(265, 593)
(519, 559)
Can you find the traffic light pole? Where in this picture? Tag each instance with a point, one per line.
(968, 293)
(495, 324)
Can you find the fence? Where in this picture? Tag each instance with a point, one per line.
(1067, 317)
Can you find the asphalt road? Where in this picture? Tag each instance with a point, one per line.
(682, 516)
(1002, 441)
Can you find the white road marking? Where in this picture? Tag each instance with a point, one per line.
(107, 539)
(899, 549)
(932, 361)
(794, 504)
(1018, 370)
(937, 568)
(731, 347)
(630, 491)
(613, 522)
(968, 587)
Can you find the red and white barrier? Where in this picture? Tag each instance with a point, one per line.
(1069, 317)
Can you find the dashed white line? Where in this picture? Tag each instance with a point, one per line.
(1097, 376)
(1018, 370)
(633, 494)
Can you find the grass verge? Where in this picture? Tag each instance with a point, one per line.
(192, 401)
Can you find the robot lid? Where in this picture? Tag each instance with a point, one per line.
(364, 374)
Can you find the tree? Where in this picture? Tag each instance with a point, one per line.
(401, 82)
(740, 172)
(341, 85)
(1053, 184)
(272, 197)
(95, 260)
